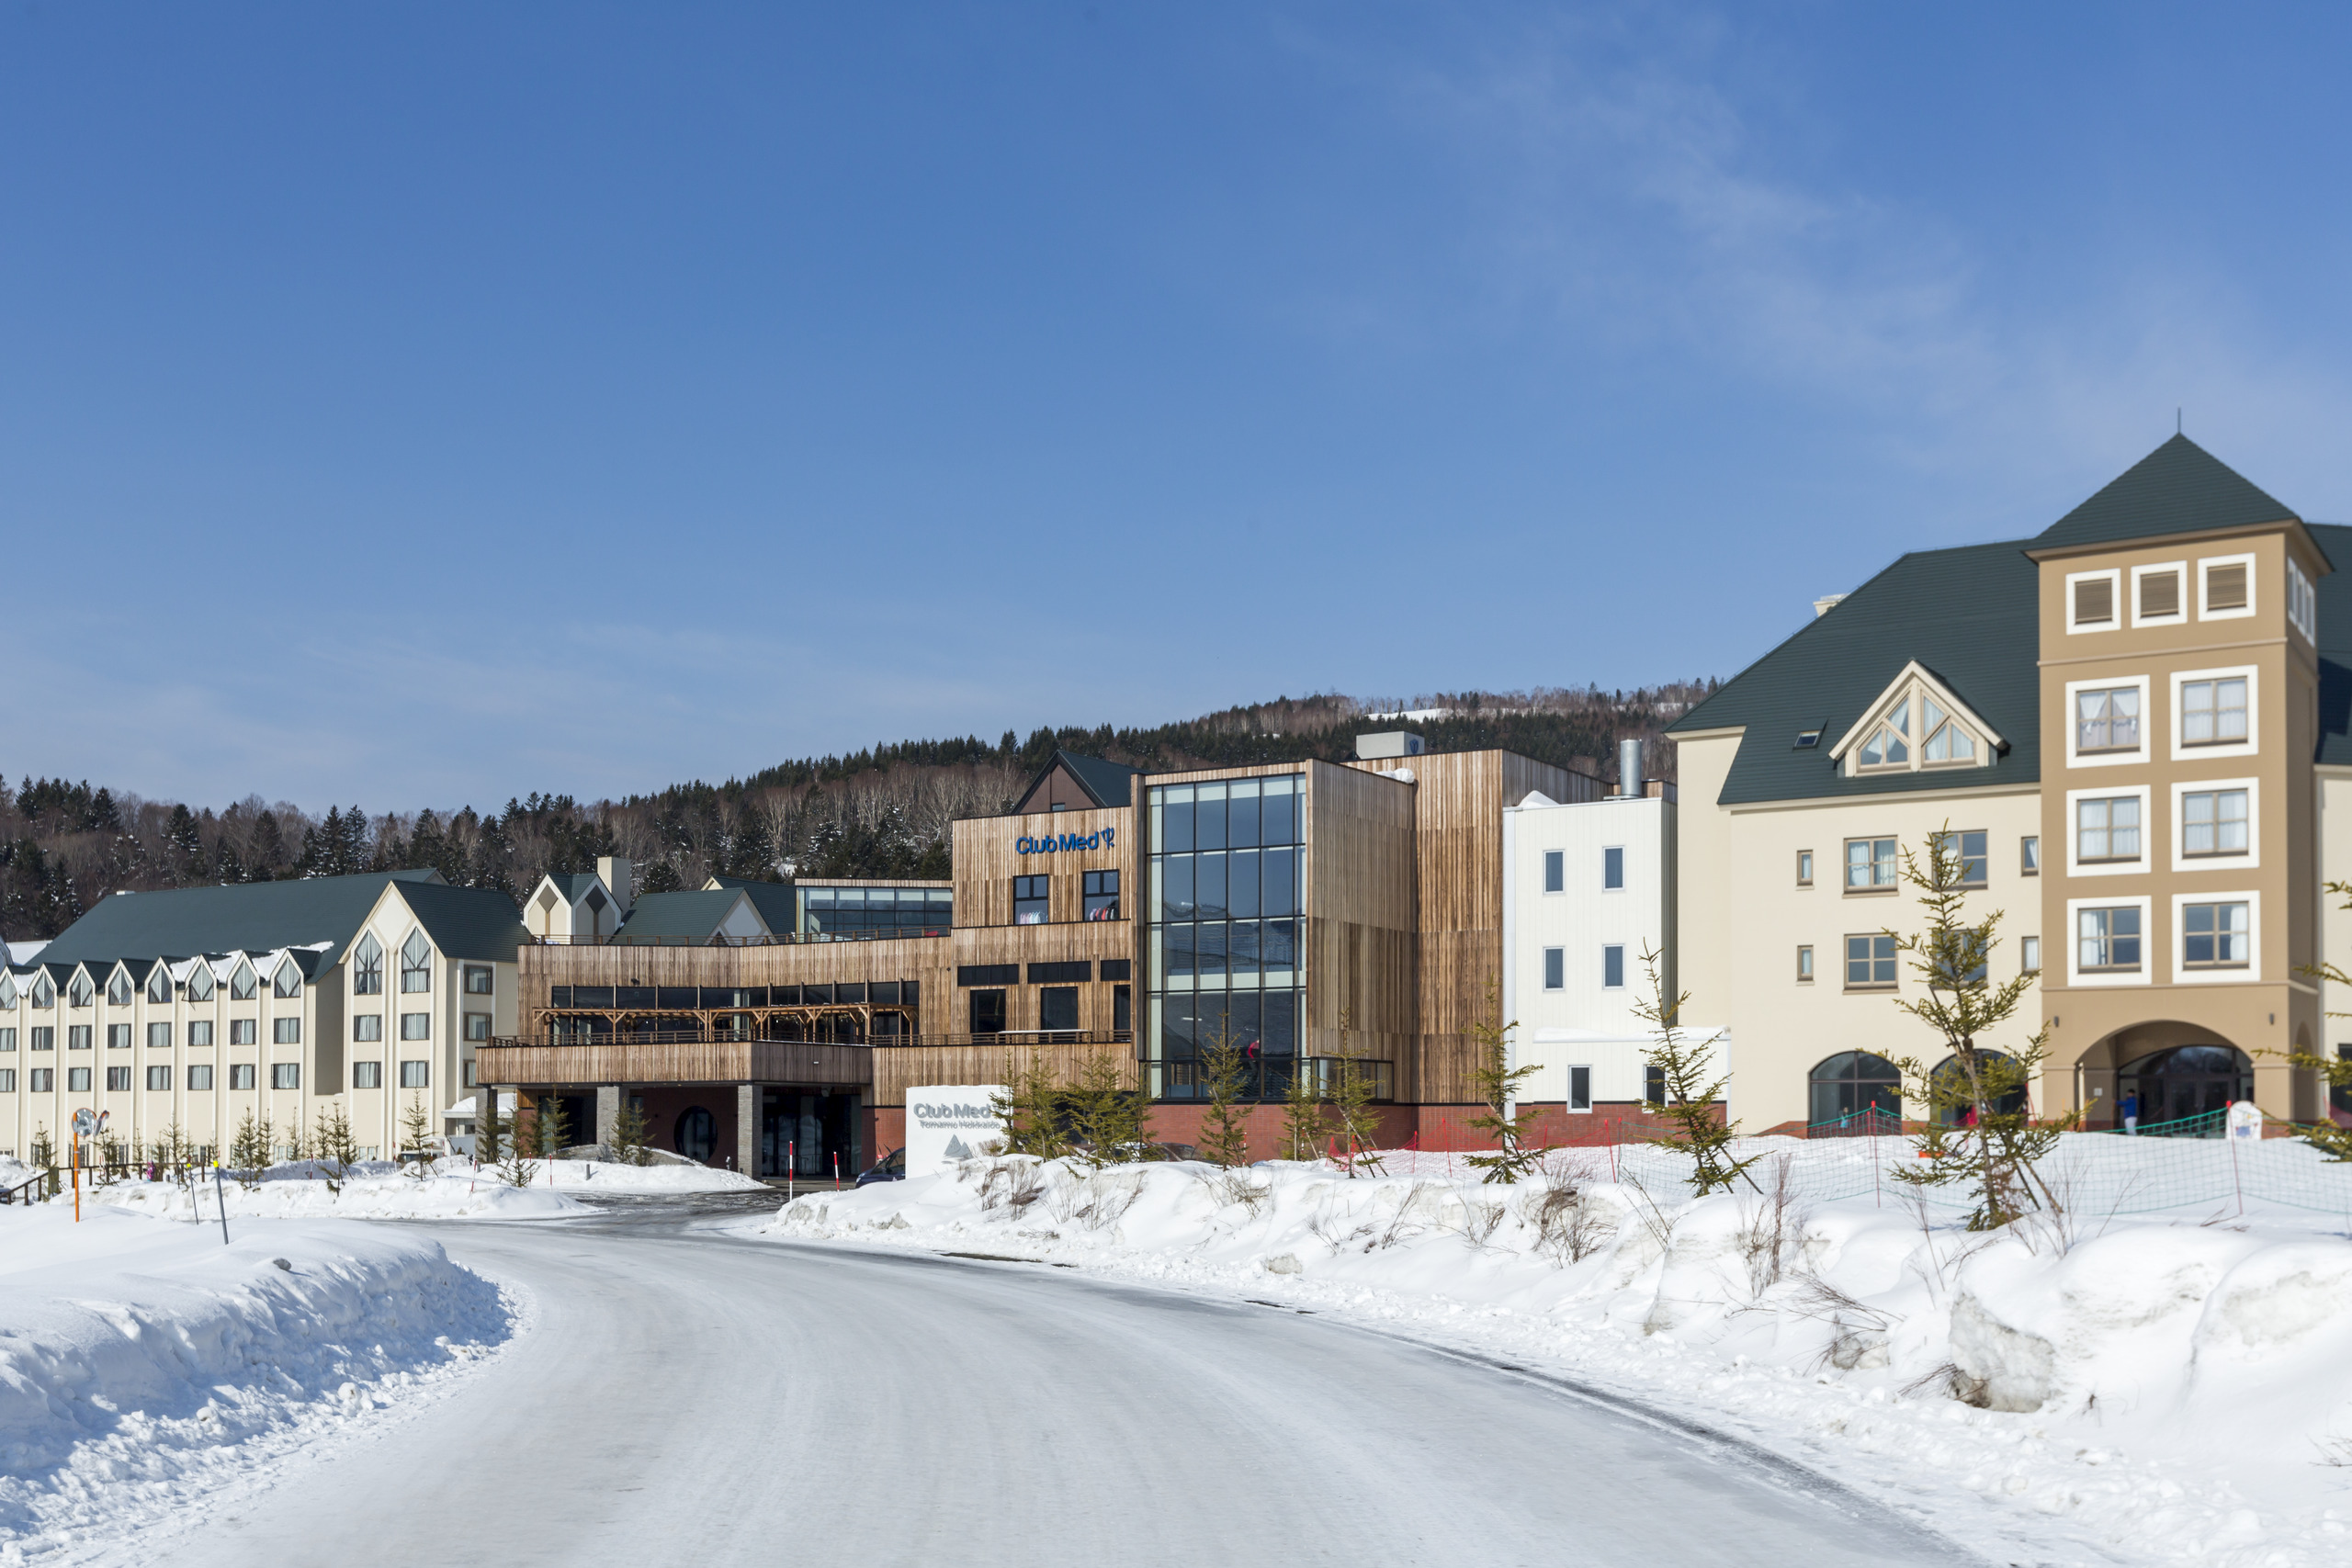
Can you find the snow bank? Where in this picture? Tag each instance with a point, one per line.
(453, 1196)
(588, 1178)
(143, 1366)
(2148, 1389)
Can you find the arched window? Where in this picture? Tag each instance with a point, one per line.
(44, 993)
(697, 1134)
(1947, 1077)
(79, 990)
(158, 983)
(1848, 1087)
(199, 981)
(416, 964)
(119, 989)
(289, 979)
(2183, 1090)
(242, 985)
(367, 966)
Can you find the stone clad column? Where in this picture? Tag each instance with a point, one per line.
(747, 1128)
(608, 1112)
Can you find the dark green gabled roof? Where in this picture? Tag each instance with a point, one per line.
(464, 922)
(2180, 488)
(1968, 615)
(692, 915)
(1105, 782)
(2334, 648)
(251, 916)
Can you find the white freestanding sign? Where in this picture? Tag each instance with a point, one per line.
(2246, 1118)
(947, 1122)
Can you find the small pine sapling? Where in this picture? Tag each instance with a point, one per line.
(550, 1126)
(628, 1133)
(491, 1130)
(249, 1151)
(1981, 1128)
(1109, 1116)
(1303, 1111)
(1029, 1109)
(335, 1145)
(1685, 1069)
(517, 1169)
(1352, 1092)
(1225, 1071)
(1497, 1085)
(417, 1136)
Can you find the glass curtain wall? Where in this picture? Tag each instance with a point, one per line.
(846, 910)
(1222, 944)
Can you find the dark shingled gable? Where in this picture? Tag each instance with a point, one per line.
(2335, 650)
(1968, 615)
(2180, 488)
(251, 917)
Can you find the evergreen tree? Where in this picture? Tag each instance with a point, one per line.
(249, 1151)
(1685, 1069)
(490, 1129)
(551, 1128)
(1497, 1085)
(417, 1136)
(1357, 1080)
(1303, 1117)
(335, 1146)
(629, 1133)
(1225, 1128)
(1110, 1118)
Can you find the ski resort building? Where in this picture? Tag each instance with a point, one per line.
(194, 1008)
(2136, 726)
(1309, 912)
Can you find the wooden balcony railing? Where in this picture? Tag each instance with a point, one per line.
(765, 939)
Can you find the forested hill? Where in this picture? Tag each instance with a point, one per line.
(883, 812)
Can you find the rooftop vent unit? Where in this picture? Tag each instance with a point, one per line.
(1394, 743)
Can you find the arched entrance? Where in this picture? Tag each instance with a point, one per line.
(2183, 1082)
(1846, 1089)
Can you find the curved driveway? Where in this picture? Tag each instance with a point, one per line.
(693, 1398)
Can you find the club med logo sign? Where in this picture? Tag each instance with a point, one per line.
(1066, 844)
(947, 1122)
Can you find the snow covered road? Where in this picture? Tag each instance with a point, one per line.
(689, 1396)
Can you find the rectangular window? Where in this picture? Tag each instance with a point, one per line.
(416, 1026)
(240, 1075)
(2302, 602)
(478, 979)
(1061, 973)
(1612, 868)
(2217, 936)
(988, 974)
(1869, 961)
(243, 1031)
(1870, 865)
(2159, 595)
(2109, 939)
(77, 1037)
(2212, 713)
(1031, 900)
(1653, 1085)
(1556, 969)
(1100, 894)
(2107, 719)
(77, 1080)
(2095, 601)
(1555, 871)
(988, 1012)
(1805, 966)
(415, 1075)
(118, 1037)
(2029, 855)
(118, 1080)
(2225, 586)
(44, 1079)
(285, 1031)
(1972, 853)
(200, 1078)
(477, 1026)
(1122, 1008)
(367, 1074)
(2029, 954)
(366, 1027)
(2108, 830)
(159, 1037)
(469, 1075)
(7, 1040)
(1057, 1008)
(199, 1032)
(7, 1080)
(1805, 868)
(159, 1077)
(285, 1075)
(1579, 1088)
(2213, 823)
(1612, 967)
(44, 1037)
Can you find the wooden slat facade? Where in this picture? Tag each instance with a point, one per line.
(898, 1068)
(790, 1062)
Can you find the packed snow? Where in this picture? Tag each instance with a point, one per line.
(148, 1369)
(2164, 1387)
(450, 1189)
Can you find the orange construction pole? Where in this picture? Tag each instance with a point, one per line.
(74, 1163)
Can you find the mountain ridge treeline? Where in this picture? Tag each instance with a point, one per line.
(883, 811)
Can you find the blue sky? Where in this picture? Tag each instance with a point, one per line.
(420, 405)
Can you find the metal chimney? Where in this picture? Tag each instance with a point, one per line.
(1629, 767)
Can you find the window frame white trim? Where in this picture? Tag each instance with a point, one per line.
(1621, 886)
(2179, 617)
(2184, 862)
(1907, 683)
(2182, 975)
(2114, 576)
(2076, 866)
(2303, 601)
(2077, 975)
(2076, 757)
(2180, 751)
(2205, 566)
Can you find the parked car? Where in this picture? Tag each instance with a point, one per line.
(892, 1167)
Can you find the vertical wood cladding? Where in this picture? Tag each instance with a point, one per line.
(987, 856)
(1361, 928)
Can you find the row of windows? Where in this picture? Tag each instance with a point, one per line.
(842, 909)
(2212, 713)
(1939, 740)
(686, 998)
(78, 1036)
(2218, 935)
(368, 1027)
(241, 1074)
(1874, 865)
(1033, 898)
(1238, 814)
(1613, 869)
(1057, 1009)
(1237, 883)
(1613, 969)
(2225, 591)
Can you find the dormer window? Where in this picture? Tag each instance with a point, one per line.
(1915, 724)
(159, 984)
(44, 993)
(7, 993)
(78, 991)
(367, 966)
(242, 983)
(200, 982)
(289, 979)
(416, 964)
(118, 989)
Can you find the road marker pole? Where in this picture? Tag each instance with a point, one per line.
(220, 1196)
